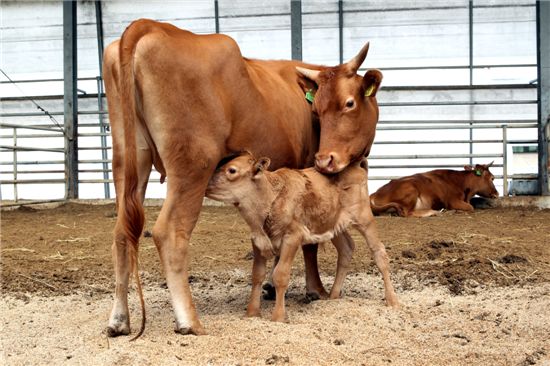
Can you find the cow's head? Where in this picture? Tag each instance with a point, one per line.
(482, 180)
(347, 109)
(236, 178)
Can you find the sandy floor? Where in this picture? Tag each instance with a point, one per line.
(475, 290)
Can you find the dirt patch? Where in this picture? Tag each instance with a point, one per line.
(469, 271)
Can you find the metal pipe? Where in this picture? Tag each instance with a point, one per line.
(25, 148)
(217, 16)
(543, 94)
(103, 138)
(341, 31)
(441, 156)
(296, 29)
(504, 161)
(471, 64)
(70, 71)
(15, 192)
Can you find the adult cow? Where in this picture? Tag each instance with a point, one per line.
(181, 102)
(422, 194)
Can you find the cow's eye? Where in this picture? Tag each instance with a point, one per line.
(232, 170)
(350, 103)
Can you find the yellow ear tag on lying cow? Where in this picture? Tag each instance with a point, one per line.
(478, 172)
(310, 96)
(369, 91)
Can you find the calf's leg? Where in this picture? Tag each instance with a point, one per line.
(281, 275)
(258, 275)
(367, 227)
(314, 287)
(344, 246)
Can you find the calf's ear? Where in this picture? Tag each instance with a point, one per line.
(468, 167)
(371, 82)
(260, 165)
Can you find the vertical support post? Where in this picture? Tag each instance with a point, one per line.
(296, 29)
(103, 129)
(505, 161)
(70, 99)
(543, 91)
(15, 193)
(217, 16)
(471, 68)
(341, 30)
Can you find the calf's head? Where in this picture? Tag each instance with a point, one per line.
(237, 179)
(348, 112)
(483, 180)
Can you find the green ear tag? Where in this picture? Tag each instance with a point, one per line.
(478, 172)
(310, 96)
(369, 91)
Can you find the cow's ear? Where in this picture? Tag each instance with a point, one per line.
(371, 82)
(260, 165)
(468, 167)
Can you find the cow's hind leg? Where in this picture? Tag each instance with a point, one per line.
(171, 234)
(119, 321)
(344, 246)
(367, 228)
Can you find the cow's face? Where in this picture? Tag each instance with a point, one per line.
(348, 112)
(236, 179)
(483, 178)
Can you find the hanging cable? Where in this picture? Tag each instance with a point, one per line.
(52, 118)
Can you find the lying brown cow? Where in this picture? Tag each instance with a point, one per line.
(288, 208)
(422, 194)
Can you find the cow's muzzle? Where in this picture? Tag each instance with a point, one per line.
(328, 163)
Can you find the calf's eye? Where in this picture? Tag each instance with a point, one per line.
(232, 170)
(350, 103)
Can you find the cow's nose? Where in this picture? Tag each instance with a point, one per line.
(325, 162)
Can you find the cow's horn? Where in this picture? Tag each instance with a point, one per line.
(309, 73)
(357, 61)
(490, 164)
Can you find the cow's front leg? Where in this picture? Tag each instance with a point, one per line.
(344, 246)
(258, 275)
(460, 205)
(367, 228)
(314, 287)
(281, 274)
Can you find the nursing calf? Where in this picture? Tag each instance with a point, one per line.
(288, 208)
(423, 194)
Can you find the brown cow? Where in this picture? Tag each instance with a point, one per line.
(181, 102)
(288, 208)
(422, 194)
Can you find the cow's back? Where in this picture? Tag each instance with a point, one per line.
(200, 88)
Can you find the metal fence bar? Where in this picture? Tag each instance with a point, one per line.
(543, 94)
(504, 161)
(296, 29)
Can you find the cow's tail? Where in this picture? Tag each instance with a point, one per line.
(130, 212)
(379, 209)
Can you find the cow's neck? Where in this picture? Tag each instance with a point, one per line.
(467, 185)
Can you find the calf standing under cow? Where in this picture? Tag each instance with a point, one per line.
(422, 194)
(288, 208)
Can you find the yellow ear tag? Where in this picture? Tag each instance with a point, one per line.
(369, 91)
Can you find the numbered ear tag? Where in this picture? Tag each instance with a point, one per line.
(478, 172)
(369, 91)
(310, 96)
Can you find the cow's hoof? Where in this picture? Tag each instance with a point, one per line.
(269, 291)
(115, 331)
(197, 330)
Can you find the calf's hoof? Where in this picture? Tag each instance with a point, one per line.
(114, 331)
(268, 291)
(278, 318)
(393, 303)
(253, 313)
